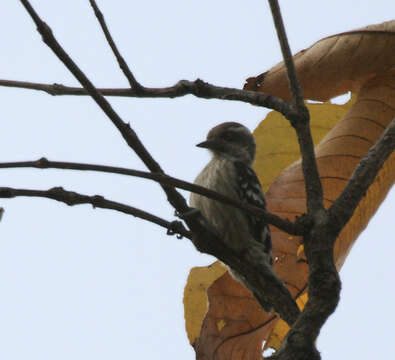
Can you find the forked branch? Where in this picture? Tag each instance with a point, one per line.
(126, 131)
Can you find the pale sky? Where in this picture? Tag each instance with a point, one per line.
(78, 283)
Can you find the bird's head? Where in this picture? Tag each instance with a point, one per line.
(231, 140)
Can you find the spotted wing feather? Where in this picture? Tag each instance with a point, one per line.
(250, 191)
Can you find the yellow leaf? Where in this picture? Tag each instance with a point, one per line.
(195, 296)
(300, 253)
(221, 324)
(281, 329)
(277, 144)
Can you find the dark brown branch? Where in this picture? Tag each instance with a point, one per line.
(313, 185)
(296, 90)
(300, 120)
(324, 283)
(134, 84)
(324, 293)
(43, 163)
(176, 200)
(343, 208)
(72, 198)
(247, 264)
(197, 88)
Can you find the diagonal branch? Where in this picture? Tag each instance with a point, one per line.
(296, 90)
(343, 208)
(72, 198)
(197, 88)
(43, 163)
(245, 263)
(299, 119)
(134, 84)
(131, 138)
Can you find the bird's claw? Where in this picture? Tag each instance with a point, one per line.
(175, 228)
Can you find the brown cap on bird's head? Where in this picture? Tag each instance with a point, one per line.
(231, 139)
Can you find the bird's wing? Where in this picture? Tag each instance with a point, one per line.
(250, 191)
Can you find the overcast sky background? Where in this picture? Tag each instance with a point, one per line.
(78, 283)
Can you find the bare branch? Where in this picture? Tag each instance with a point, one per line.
(131, 138)
(72, 198)
(43, 163)
(324, 283)
(207, 241)
(134, 84)
(296, 90)
(197, 88)
(313, 186)
(344, 206)
(299, 119)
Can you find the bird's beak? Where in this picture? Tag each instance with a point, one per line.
(208, 144)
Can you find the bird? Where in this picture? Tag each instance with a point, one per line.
(230, 173)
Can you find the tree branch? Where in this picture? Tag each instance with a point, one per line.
(294, 85)
(198, 88)
(300, 120)
(134, 84)
(131, 138)
(324, 283)
(282, 224)
(248, 264)
(344, 206)
(97, 201)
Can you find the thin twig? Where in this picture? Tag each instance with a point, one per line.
(296, 90)
(134, 84)
(344, 206)
(131, 138)
(197, 88)
(285, 304)
(72, 198)
(43, 163)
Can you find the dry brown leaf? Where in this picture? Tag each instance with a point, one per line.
(334, 65)
(235, 326)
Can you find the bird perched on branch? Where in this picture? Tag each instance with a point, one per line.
(229, 172)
